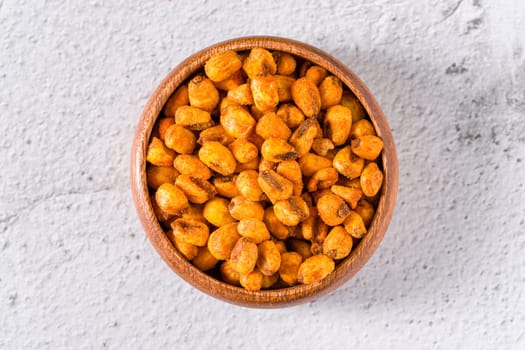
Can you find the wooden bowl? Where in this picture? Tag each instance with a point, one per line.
(218, 289)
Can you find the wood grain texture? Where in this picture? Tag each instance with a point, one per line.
(218, 289)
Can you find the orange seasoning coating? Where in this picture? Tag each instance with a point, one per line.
(264, 169)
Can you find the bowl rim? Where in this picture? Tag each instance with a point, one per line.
(275, 297)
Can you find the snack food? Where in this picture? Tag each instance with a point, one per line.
(264, 169)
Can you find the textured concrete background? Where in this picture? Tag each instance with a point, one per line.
(76, 270)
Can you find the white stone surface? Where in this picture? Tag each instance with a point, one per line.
(76, 270)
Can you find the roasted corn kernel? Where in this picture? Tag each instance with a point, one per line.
(338, 243)
(332, 209)
(241, 208)
(196, 189)
(259, 63)
(269, 258)
(322, 179)
(280, 245)
(171, 199)
(350, 195)
(276, 227)
(241, 94)
(248, 186)
(217, 157)
(221, 66)
(254, 229)
(227, 102)
(164, 217)
(244, 256)
(180, 139)
(204, 261)
(194, 212)
(272, 126)
(291, 115)
(300, 247)
(237, 121)
(303, 137)
(265, 92)
(191, 231)
(337, 124)
(304, 68)
(371, 179)
(228, 273)
(320, 233)
(215, 133)
(315, 268)
(316, 74)
(291, 170)
(362, 127)
(354, 225)
(189, 251)
(275, 186)
(289, 269)
(216, 212)
(330, 91)
(322, 146)
(267, 165)
(284, 87)
(157, 175)
(316, 248)
(277, 150)
(368, 146)
(366, 211)
(191, 165)
(309, 225)
(179, 98)
(193, 118)
(158, 154)
(349, 100)
(269, 281)
(252, 280)
(222, 241)
(310, 163)
(286, 64)
(348, 164)
(225, 186)
(291, 211)
(202, 93)
(243, 150)
(313, 228)
(251, 165)
(306, 96)
(163, 125)
(233, 81)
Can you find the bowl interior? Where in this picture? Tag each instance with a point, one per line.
(208, 284)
